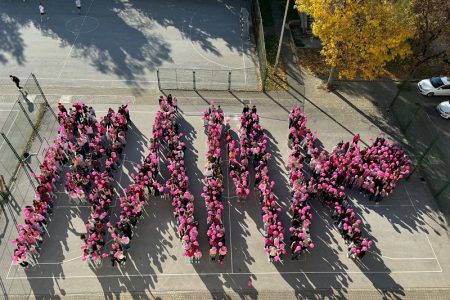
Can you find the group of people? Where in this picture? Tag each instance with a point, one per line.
(80, 138)
(100, 158)
(145, 183)
(253, 147)
(92, 148)
(212, 191)
(299, 207)
(176, 187)
(375, 170)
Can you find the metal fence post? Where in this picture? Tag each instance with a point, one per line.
(193, 76)
(229, 80)
(28, 117)
(159, 81)
(43, 96)
(26, 165)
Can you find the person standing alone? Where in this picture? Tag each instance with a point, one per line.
(78, 5)
(42, 12)
(16, 80)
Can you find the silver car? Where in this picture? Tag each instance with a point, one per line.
(444, 109)
(435, 86)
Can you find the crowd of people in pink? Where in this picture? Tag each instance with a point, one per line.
(89, 149)
(212, 191)
(300, 209)
(177, 187)
(83, 145)
(374, 170)
(253, 146)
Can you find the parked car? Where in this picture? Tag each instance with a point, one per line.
(435, 86)
(444, 109)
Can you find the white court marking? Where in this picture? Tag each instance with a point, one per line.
(224, 273)
(198, 52)
(428, 239)
(80, 29)
(76, 38)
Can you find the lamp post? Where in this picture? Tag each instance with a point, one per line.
(281, 36)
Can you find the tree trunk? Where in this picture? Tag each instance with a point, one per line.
(331, 78)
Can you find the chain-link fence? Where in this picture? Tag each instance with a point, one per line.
(429, 148)
(258, 32)
(207, 79)
(25, 132)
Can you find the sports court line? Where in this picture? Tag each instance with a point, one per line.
(408, 258)
(179, 98)
(229, 207)
(204, 57)
(428, 239)
(381, 205)
(243, 59)
(96, 80)
(227, 273)
(76, 38)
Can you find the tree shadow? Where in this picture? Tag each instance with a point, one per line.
(135, 43)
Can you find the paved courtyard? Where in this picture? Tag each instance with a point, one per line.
(411, 238)
(109, 55)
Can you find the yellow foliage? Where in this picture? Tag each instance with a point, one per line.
(360, 36)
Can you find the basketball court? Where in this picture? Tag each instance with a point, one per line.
(123, 43)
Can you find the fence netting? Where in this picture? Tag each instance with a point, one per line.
(25, 132)
(208, 79)
(258, 32)
(429, 148)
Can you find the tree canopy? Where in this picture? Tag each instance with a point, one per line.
(360, 36)
(432, 21)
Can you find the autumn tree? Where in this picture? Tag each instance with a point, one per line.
(432, 39)
(360, 36)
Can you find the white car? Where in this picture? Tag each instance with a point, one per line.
(435, 86)
(444, 109)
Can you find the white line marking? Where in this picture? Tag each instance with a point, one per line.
(221, 274)
(428, 239)
(229, 208)
(382, 205)
(60, 262)
(76, 38)
(243, 60)
(216, 98)
(407, 258)
(9, 270)
(204, 57)
(97, 80)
